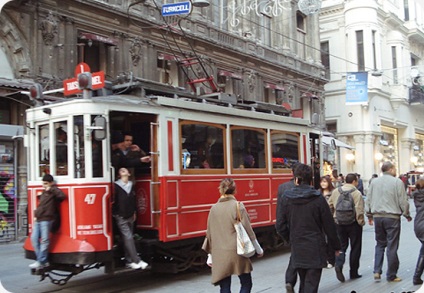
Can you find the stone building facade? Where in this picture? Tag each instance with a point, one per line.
(385, 40)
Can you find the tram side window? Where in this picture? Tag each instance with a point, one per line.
(79, 146)
(44, 149)
(202, 146)
(285, 150)
(248, 148)
(96, 154)
(61, 145)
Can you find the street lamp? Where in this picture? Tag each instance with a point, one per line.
(200, 3)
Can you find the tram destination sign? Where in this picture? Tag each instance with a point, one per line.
(179, 8)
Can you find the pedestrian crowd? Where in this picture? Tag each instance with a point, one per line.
(320, 225)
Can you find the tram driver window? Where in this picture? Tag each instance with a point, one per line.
(285, 150)
(248, 148)
(61, 147)
(44, 150)
(202, 146)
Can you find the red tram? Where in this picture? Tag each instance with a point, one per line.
(193, 142)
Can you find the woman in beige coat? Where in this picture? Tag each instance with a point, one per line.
(220, 242)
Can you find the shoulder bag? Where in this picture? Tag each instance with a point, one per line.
(244, 244)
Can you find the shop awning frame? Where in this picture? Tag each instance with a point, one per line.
(327, 141)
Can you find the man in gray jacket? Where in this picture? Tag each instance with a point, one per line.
(386, 203)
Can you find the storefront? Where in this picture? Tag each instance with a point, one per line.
(9, 136)
(417, 158)
(387, 146)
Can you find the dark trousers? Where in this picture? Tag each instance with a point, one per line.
(387, 234)
(291, 273)
(350, 233)
(309, 280)
(245, 281)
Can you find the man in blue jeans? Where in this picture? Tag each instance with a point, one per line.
(44, 216)
(386, 203)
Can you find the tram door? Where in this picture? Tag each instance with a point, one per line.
(139, 132)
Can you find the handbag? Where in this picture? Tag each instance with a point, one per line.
(244, 244)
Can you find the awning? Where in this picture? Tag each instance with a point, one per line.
(327, 140)
(8, 131)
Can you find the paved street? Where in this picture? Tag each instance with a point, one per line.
(267, 275)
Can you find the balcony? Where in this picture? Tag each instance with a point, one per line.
(416, 96)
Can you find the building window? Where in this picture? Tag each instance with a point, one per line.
(374, 50)
(394, 65)
(97, 51)
(300, 21)
(5, 109)
(273, 94)
(229, 82)
(325, 57)
(168, 69)
(266, 29)
(406, 9)
(360, 50)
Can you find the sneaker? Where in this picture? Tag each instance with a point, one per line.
(396, 279)
(289, 288)
(377, 276)
(133, 266)
(43, 266)
(330, 266)
(339, 274)
(143, 264)
(35, 265)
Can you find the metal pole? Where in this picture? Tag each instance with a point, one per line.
(15, 184)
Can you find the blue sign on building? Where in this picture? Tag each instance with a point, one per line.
(357, 88)
(178, 8)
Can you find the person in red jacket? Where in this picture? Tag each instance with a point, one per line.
(44, 216)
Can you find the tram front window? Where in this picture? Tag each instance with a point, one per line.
(96, 153)
(79, 146)
(61, 144)
(44, 149)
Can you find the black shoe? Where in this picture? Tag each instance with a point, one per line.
(417, 281)
(355, 276)
(339, 274)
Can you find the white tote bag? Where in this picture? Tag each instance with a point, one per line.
(244, 244)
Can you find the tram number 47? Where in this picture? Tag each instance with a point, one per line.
(90, 198)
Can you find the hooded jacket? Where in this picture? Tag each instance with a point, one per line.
(305, 222)
(418, 196)
(125, 201)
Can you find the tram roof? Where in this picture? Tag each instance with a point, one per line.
(255, 110)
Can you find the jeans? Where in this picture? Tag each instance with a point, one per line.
(126, 227)
(387, 234)
(40, 240)
(350, 233)
(245, 281)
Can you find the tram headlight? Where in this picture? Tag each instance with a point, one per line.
(84, 81)
(36, 92)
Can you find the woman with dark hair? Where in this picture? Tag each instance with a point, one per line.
(326, 188)
(418, 197)
(220, 242)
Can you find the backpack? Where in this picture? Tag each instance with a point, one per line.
(345, 208)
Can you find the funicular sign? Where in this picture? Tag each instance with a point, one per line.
(70, 86)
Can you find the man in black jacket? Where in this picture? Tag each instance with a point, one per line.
(44, 215)
(305, 221)
(291, 273)
(124, 211)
